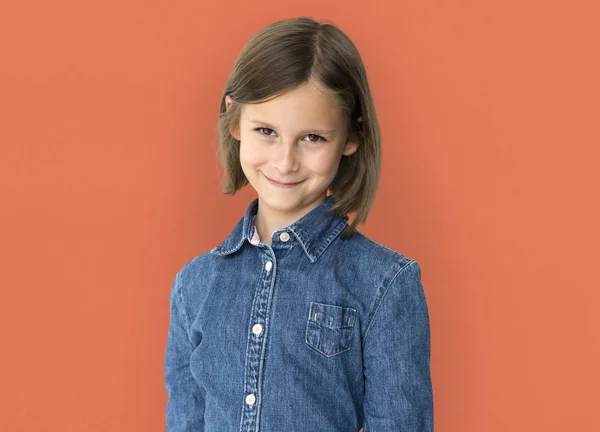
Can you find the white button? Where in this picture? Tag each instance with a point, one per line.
(268, 266)
(284, 236)
(250, 399)
(257, 329)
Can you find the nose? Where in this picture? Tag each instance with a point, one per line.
(285, 157)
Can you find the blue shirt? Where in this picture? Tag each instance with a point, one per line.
(314, 332)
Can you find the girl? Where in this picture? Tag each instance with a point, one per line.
(297, 321)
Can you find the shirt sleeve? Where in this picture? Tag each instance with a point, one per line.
(185, 405)
(396, 350)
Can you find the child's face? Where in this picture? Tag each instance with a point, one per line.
(297, 139)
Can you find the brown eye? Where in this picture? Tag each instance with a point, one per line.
(315, 138)
(264, 131)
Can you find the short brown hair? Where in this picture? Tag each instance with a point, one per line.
(285, 55)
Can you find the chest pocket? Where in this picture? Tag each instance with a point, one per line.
(329, 328)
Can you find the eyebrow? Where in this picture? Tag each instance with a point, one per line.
(316, 131)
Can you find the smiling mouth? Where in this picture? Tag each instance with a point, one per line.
(282, 185)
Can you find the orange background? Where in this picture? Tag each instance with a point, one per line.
(109, 184)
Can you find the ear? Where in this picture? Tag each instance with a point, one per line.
(350, 147)
(234, 129)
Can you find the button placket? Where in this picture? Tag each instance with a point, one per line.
(256, 345)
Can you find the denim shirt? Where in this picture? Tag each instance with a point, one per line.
(314, 332)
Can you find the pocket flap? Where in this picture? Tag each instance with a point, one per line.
(332, 316)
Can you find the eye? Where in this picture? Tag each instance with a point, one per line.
(264, 131)
(315, 138)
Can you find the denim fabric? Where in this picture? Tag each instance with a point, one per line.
(312, 333)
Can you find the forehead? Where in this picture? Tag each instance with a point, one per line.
(303, 107)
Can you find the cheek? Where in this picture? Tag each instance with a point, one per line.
(251, 151)
(325, 164)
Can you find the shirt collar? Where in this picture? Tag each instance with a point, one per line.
(314, 231)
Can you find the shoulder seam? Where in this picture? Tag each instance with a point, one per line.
(381, 299)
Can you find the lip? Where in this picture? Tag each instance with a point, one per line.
(283, 185)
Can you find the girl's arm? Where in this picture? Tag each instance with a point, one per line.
(185, 406)
(398, 389)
